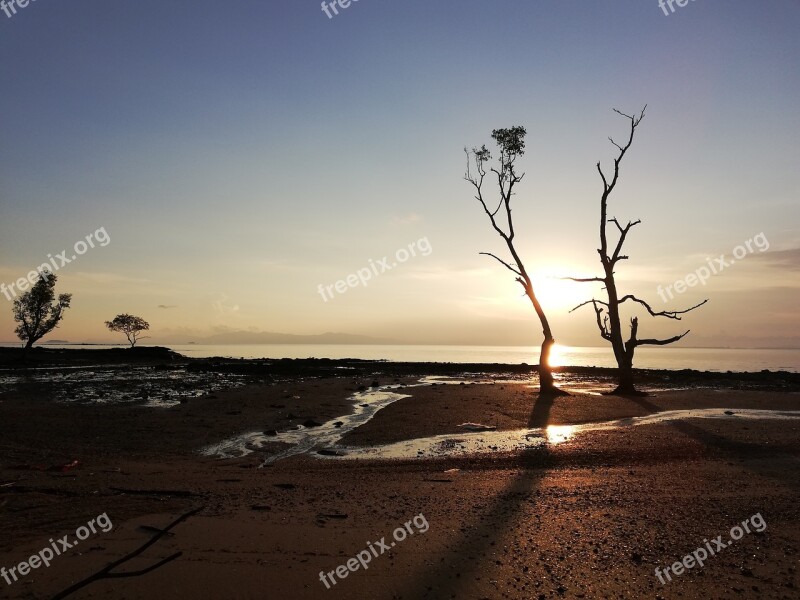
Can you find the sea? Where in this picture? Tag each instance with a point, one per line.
(672, 358)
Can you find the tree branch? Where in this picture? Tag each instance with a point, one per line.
(105, 573)
(502, 262)
(659, 342)
(584, 280)
(582, 304)
(602, 322)
(669, 314)
(146, 570)
(623, 233)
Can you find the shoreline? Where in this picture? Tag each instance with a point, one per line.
(156, 356)
(548, 520)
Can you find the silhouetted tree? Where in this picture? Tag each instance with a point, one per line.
(130, 325)
(607, 312)
(36, 310)
(511, 143)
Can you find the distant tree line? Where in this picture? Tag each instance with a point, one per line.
(38, 312)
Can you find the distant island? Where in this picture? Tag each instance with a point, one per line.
(267, 337)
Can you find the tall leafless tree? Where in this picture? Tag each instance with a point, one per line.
(607, 312)
(511, 143)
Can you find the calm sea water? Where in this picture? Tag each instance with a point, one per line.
(702, 359)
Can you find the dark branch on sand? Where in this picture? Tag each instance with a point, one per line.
(105, 572)
(176, 493)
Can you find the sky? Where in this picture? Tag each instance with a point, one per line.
(240, 158)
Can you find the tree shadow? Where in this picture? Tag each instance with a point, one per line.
(465, 556)
(743, 450)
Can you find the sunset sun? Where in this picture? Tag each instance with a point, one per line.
(557, 294)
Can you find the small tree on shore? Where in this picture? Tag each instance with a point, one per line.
(37, 311)
(607, 311)
(512, 145)
(132, 326)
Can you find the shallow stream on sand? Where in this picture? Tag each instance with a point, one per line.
(305, 439)
(523, 439)
(323, 441)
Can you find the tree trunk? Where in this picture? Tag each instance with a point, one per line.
(625, 383)
(29, 344)
(547, 385)
(545, 374)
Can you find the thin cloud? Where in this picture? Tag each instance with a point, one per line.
(781, 259)
(406, 219)
(224, 307)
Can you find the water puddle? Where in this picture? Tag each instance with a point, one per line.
(323, 441)
(305, 439)
(324, 438)
(522, 439)
(117, 384)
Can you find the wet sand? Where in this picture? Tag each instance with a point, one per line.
(589, 517)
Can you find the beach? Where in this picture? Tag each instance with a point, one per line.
(570, 514)
(399, 300)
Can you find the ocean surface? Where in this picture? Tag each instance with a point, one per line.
(701, 359)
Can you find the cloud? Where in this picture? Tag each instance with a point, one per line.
(167, 306)
(223, 305)
(406, 219)
(781, 259)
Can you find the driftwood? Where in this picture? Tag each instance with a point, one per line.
(105, 573)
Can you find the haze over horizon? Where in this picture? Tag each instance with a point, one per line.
(240, 158)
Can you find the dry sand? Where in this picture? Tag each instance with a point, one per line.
(589, 518)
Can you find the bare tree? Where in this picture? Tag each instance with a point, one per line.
(36, 310)
(607, 312)
(130, 325)
(511, 143)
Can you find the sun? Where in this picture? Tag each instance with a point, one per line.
(557, 356)
(557, 294)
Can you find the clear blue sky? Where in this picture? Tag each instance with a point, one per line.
(239, 154)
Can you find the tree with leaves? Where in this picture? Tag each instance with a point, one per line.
(132, 326)
(607, 312)
(37, 311)
(511, 143)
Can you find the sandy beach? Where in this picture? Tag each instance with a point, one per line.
(376, 300)
(572, 514)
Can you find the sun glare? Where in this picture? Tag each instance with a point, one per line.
(555, 293)
(556, 358)
(557, 434)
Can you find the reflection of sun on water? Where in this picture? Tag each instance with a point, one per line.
(556, 358)
(557, 434)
